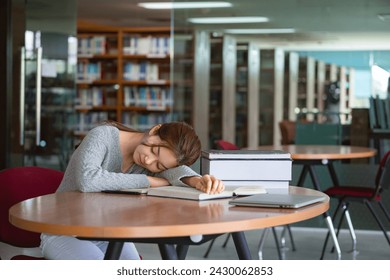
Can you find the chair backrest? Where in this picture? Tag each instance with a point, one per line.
(328, 131)
(318, 134)
(287, 130)
(225, 145)
(382, 179)
(18, 184)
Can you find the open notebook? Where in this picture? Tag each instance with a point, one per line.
(277, 200)
(191, 193)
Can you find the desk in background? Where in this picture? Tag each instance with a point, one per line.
(310, 155)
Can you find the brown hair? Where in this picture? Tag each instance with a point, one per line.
(179, 137)
(182, 140)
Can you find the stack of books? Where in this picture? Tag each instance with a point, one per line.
(271, 170)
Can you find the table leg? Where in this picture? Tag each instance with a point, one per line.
(280, 255)
(316, 182)
(333, 174)
(241, 246)
(168, 251)
(114, 250)
(328, 219)
(181, 251)
(302, 176)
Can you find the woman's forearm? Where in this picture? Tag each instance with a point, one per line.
(157, 181)
(191, 181)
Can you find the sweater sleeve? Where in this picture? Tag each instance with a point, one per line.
(174, 175)
(96, 166)
(93, 177)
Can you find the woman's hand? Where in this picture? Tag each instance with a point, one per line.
(206, 183)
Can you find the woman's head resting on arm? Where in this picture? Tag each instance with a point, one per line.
(168, 145)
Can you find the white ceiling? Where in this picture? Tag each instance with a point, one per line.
(321, 24)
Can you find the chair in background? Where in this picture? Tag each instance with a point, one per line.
(325, 129)
(379, 123)
(365, 195)
(287, 130)
(225, 145)
(18, 184)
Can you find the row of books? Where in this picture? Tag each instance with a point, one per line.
(143, 71)
(143, 121)
(152, 98)
(132, 45)
(95, 96)
(92, 45)
(140, 71)
(89, 71)
(137, 45)
(86, 121)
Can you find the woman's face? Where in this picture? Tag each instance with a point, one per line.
(154, 158)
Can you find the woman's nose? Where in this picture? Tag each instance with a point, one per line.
(149, 159)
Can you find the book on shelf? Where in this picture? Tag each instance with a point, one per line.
(149, 45)
(94, 96)
(190, 193)
(143, 71)
(150, 97)
(143, 121)
(87, 121)
(88, 71)
(91, 45)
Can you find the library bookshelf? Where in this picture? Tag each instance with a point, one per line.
(123, 74)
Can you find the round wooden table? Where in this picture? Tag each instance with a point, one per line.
(326, 152)
(310, 155)
(120, 217)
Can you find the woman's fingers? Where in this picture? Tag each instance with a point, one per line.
(212, 185)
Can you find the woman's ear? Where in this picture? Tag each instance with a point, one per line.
(154, 129)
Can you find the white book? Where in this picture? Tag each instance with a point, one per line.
(268, 186)
(144, 45)
(246, 154)
(247, 165)
(97, 96)
(189, 192)
(134, 73)
(194, 194)
(151, 72)
(248, 170)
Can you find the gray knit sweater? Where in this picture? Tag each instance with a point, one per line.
(96, 165)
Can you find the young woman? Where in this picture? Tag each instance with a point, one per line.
(113, 156)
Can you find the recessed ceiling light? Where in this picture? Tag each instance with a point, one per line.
(184, 5)
(218, 20)
(261, 31)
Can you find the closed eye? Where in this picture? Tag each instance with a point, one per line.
(156, 151)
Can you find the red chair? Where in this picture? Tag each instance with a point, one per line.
(225, 145)
(18, 184)
(287, 131)
(365, 195)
